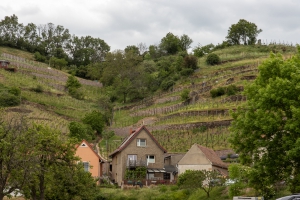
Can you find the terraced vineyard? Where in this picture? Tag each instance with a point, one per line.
(175, 123)
(53, 106)
(202, 119)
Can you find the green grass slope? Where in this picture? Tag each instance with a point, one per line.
(53, 106)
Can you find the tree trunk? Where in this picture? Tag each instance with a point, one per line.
(42, 188)
(207, 193)
(1, 196)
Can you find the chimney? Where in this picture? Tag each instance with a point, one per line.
(131, 131)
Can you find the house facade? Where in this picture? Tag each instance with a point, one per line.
(139, 149)
(91, 161)
(202, 158)
(171, 161)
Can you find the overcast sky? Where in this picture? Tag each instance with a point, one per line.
(128, 22)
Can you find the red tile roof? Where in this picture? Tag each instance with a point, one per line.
(213, 157)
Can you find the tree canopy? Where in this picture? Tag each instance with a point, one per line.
(265, 131)
(194, 179)
(243, 32)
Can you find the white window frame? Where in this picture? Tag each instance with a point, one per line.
(149, 159)
(141, 142)
(86, 166)
(131, 157)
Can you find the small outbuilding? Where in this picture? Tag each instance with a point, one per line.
(202, 158)
(4, 64)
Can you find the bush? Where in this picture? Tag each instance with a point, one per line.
(190, 62)
(39, 57)
(166, 84)
(163, 188)
(38, 89)
(9, 99)
(15, 91)
(75, 93)
(231, 90)
(217, 92)
(186, 72)
(72, 82)
(213, 59)
(185, 95)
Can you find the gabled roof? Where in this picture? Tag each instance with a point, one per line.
(132, 136)
(89, 146)
(212, 157)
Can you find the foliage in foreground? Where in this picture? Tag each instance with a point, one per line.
(194, 179)
(265, 131)
(40, 163)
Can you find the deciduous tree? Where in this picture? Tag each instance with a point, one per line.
(243, 32)
(265, 130)
(194, 179)
(171, 44)
(15, 158)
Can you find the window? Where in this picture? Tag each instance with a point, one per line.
(132, 157)
(150, 159)
(167, 176)
(141, 142)
(131, 160)
(151, 176)
(86, 166)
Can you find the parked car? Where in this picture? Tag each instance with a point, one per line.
(248, 198)
(229, 182)
(291, 197)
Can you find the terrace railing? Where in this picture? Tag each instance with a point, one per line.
(136, 163)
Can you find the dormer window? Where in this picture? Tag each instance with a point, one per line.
(141, 142)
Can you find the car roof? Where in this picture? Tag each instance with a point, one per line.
(288, 197)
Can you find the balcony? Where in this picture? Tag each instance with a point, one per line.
(136, 163)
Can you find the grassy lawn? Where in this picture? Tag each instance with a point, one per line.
(163, 192)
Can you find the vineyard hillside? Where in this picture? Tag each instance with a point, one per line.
(44, 97)
(176, 122)
(179, 123)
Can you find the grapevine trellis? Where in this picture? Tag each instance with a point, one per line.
(206, 85)
(42, 70)
(181, 140)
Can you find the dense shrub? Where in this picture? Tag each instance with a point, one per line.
(76, 93)
(81, 131)
(72, 82)
(8, 99)
(217, 92)
(186, 72)
(213, 59)
(166, 84)
(231, 90)
(185, 95)
(39, 57)
(15, 91)
(190, 62)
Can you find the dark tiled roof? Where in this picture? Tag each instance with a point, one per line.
(131, 137)
(173, 154)
(213, 157)
(224, 152)
(170, 168)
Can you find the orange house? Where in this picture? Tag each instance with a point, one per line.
(92, 162)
